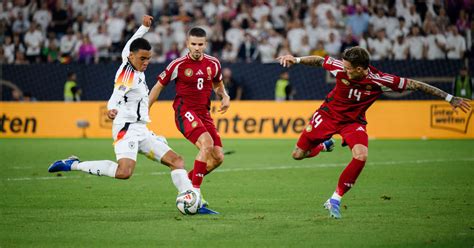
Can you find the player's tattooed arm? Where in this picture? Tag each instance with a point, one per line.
(455, 101)
(289, 60)
(312, 61)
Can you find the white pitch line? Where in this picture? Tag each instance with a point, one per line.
(224, 170)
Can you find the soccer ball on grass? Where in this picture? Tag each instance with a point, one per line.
(188, 202)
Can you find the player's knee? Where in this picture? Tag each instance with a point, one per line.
(218, 158)
(297, 155)
(362, 155)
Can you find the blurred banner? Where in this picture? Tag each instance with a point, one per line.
(245, 119)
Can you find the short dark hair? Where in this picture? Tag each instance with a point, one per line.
(197, 32)
(138, 44)
(357, 56)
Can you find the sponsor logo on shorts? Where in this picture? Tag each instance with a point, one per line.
(344, 81)
(194, 124)
(188, 72)
(309, 128)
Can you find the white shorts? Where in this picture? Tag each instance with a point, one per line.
(131, 138)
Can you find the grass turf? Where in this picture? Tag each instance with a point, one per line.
(412, 193)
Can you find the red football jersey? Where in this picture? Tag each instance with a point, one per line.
(194, 81)
(349, 99)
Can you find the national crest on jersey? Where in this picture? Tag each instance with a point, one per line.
(194, 80)
(349, 99)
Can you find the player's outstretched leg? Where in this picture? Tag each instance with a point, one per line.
(347, 179)
(99, 168)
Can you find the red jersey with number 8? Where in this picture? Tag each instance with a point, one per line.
(350, 99)
(194, 80)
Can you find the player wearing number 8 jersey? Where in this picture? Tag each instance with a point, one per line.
(358, 85)
(196, 75)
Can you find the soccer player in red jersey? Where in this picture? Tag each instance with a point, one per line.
(196, 75)
(358, 85)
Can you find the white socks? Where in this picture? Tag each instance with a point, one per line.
(99, 167)
(180, 180)
(335, 196)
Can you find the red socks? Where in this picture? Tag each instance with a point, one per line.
(349, 176)
(197, 174)
(315, 151)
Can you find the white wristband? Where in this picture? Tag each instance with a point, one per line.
(297, 60)
(448, 98)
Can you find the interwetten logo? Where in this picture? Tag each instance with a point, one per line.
(443, 117)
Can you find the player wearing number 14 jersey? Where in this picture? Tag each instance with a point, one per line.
(358, 85)
(196, 75)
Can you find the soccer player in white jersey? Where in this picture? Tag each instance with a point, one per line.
(128, 108)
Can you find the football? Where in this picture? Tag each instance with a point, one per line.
(188, 202)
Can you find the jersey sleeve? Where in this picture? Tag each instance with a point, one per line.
(170, 72)
(392, 82)
(218, 75)
(333, 65)
(138, 34)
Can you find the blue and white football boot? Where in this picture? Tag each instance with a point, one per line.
(63, 165)
(333, 206)
(329, 145)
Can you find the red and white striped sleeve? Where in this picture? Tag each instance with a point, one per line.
(333, 65)
(393, 82)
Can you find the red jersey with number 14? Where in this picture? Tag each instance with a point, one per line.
(349, 100)
(194, 80)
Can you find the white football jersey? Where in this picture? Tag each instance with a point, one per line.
(130, 96)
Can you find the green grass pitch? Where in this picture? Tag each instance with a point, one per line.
(412, 193)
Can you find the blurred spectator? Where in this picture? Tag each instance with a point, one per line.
(412, 17)
(315, 32)
(304, 48)
(416, 43)
(248, 51)
(67, 45)
(173, 53)
(348, 42)
(267, 51)
(442, 20)
(3, 58)
(392, 24)
(60, 19)
(456, 44)
(463, 23)
(380, 48)
(139, 8)
(102, 42)
(295, 35)
(436, 44)
(358, 22)
(379, 20)
(260, 9)
(115, 26)
(20, 58)
(21, 24)
(9, 50)
(333, 45)
(43, 16)
(79, 24)
(87, 51)
(90, 27)
(228, 53)
(279, 15)
(319, 50)
(216, 39)
(400, 48)
(235, 35)
(33, 41)
(462, 85)
(28, 97)
(72, 92)
(233, 88)
(283, 88)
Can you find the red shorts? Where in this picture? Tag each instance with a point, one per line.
(192, 125)
(322, 127)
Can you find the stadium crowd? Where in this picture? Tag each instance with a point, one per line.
(90, 31)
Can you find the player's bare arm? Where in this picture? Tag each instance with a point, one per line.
(457, 102)
(289, 60)
(154, 93)
(220, 91)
